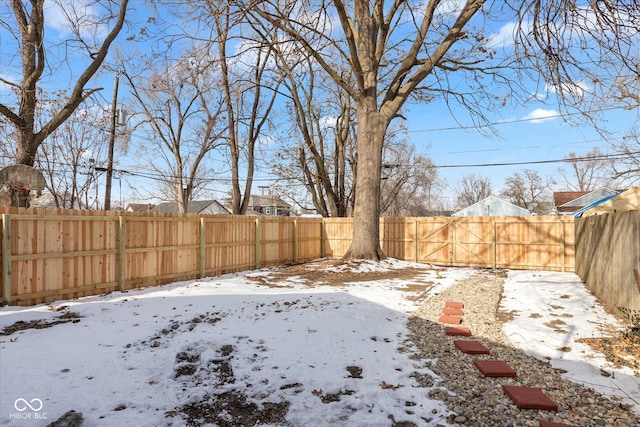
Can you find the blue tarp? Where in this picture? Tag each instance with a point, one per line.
(578, 213)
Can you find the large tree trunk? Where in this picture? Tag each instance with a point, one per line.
(372, 126)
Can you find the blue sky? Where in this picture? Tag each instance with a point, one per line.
(520, 139)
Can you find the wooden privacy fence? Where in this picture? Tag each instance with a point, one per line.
(526, 243)
(608, 257)
(55, 254)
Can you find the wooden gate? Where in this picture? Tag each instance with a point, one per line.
(456, 241)
(544, 243)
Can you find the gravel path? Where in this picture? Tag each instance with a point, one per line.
(479, 401)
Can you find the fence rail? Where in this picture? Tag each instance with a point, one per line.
(55, 254)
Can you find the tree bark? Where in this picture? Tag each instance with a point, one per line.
(372, 126)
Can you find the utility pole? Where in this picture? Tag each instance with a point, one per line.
(112, 140)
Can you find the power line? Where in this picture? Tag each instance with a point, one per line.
(616, 156)
(508, 122)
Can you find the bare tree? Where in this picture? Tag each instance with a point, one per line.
(528, 190)
(249, 94)
(627, 167)
(323, 133)
(86, 47)
(67, 158)
(394, 50)
(407, 182)
(181, 106)
(472, 188)
(587, 172)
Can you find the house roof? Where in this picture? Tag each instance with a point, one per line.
(263, 201)
(562, 197)
(194, 206)
(493, 206)
(139, 207)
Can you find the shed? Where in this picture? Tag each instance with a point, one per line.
(493, 206)
(626, 201)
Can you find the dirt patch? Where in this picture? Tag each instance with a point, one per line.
(338, 273)
(68, 317)
(227, 408)
(556, 326)
(354, 371)
(232, 409)
(332, 397)
(619, 351)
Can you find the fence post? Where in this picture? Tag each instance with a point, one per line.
(122, 253)
(203, 258)
(6, 259)
(258, 251)
(452, 240)
(495, 243)
(295, 240)
(563, 242)
(416, 244)
(322, 237)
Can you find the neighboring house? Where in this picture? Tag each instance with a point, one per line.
(139, 207)
(205, 207)
(268, 205)
(48, 201)
(493, 206)
(569, 202)
(626, 201)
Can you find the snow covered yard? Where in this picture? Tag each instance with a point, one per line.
(315, 345)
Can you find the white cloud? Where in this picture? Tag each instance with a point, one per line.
(64, 15)
(575, 89)
(504, 37)
(540, 115)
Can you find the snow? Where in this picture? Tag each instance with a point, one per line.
(136, 358)
(538, 296)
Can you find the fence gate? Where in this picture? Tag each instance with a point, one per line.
(473, 242)
(435, 240)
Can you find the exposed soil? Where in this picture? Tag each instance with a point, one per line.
(337, 273)
(618, 350)
(67, 317)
